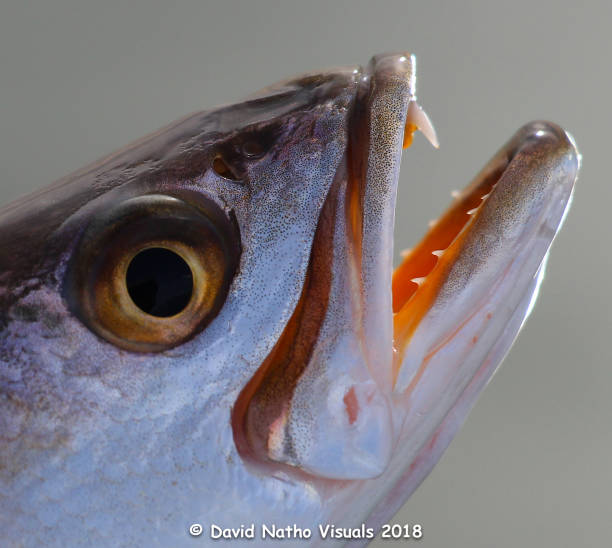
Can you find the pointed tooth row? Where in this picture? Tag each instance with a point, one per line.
(420, 280)
(482, 198)
(456, 194)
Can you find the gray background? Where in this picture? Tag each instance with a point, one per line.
(531, 466)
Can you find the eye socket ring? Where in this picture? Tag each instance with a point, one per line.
(198, 236)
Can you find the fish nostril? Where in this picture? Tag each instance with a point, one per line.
(160, 282)
(221, 168)
(252, 149)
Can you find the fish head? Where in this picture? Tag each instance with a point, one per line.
(206, 326)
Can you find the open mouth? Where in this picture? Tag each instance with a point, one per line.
(417, 280)
(373, 360)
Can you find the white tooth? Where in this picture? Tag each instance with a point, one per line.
(485, 196)
(405, 252)
(455, 194)
(472, 211)
(418, 117)
(438, 252)
(418, 281)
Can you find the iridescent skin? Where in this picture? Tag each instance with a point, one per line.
(109, 447)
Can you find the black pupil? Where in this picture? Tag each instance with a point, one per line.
(160, 282)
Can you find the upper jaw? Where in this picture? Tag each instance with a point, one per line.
(340, 421)
(323, 403)
(391, 89)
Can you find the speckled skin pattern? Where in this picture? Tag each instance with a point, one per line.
(101, 446)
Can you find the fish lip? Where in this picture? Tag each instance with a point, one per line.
(375, 151)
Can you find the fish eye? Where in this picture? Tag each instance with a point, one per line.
(153, 271)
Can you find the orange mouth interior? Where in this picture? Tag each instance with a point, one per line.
(417, 280)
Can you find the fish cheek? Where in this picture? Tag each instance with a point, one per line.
(153, 271)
